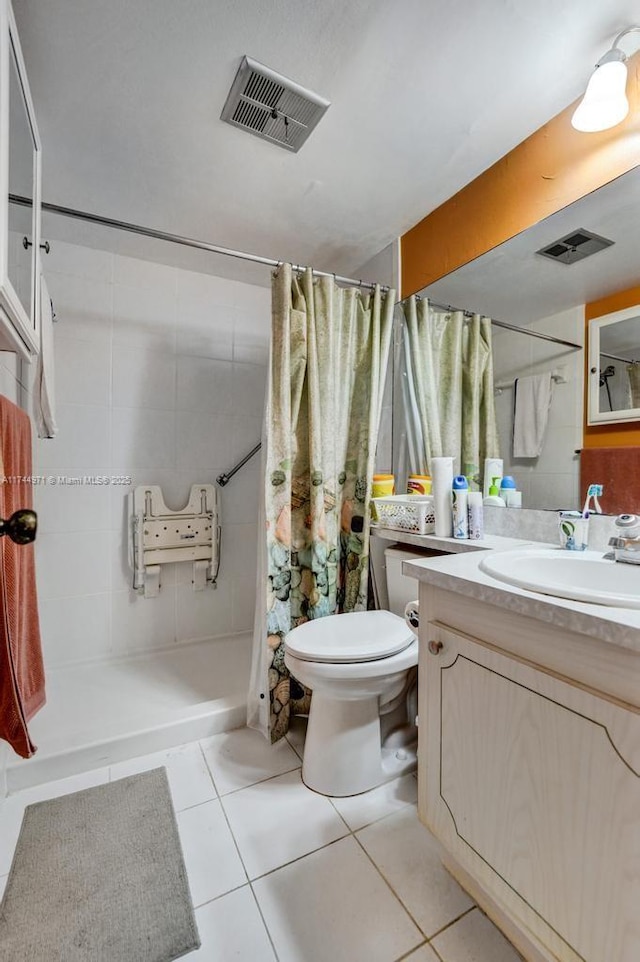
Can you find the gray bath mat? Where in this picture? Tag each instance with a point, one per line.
(98, 876)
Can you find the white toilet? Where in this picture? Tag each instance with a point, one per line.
(361, 668)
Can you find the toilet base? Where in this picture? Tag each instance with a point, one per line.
(343, 754)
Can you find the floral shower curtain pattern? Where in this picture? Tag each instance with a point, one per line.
(449, 388)
(329, 353)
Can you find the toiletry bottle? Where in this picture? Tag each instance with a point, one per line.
(460, 494)
(511, 497)
(383, 485)
(419, 484)
(493, 498)
(475, 516)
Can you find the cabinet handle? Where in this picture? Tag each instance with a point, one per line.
(26, 243)
(435, 647)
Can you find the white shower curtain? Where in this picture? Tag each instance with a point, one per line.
(447, 389)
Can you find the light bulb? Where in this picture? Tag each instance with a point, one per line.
(605, 102)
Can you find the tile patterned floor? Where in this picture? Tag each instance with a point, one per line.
(281, 874)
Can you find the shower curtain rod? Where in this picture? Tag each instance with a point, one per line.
(509, 327)
(178, 239)
(74, 214)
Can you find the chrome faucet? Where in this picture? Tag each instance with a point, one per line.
(626, 544)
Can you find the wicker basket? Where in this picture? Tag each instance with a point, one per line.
(406, 512)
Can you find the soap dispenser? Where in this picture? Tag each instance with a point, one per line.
(493, 499)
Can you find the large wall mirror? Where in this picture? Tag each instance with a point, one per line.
(614, 367)
(515, 284)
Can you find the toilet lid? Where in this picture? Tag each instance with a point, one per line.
(356, 636)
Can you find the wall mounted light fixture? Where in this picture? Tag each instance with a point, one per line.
(605, 101)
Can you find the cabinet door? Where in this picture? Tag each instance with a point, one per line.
(19, 178)
(533, 785)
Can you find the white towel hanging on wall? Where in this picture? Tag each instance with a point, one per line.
(532, 400)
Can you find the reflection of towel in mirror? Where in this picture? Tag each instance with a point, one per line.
(633, 373)
(532, 400)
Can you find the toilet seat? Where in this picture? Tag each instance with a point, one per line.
(355, 637)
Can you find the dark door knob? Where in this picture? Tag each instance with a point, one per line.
(21, 526)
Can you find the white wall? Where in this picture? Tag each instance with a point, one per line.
(160, 376)
(551, 480)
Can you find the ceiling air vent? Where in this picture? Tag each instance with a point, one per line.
(271, 106)
(575, 246)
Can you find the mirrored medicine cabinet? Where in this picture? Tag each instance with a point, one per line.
(614, 367)
(20, 163)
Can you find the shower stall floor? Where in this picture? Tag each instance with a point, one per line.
(99, 713)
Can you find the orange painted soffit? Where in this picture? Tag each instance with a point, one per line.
(552, 168)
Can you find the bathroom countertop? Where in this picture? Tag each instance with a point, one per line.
(450, 545)
(461, 574)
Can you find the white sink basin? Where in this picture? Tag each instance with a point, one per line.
(580, 575)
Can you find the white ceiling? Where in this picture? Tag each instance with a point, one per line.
(425, 96)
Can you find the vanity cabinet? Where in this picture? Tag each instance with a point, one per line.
(20, 163)
(530, 779)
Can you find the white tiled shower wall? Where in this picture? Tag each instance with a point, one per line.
(552, 479)
(160, 376)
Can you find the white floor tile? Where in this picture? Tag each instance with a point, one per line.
(12, 808)
(213, 864)
(334, 905)
(474, 939)
(407, 855)
(297, 734)
(3, 884)
(231, 927)
(423, 954)
(279, 820)
(187, 771)
(361, 810)
(243, 757)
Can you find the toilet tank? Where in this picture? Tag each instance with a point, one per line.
(401, 588)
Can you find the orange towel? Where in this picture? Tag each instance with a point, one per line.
(22, 691)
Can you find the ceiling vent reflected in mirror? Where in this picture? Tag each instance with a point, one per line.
(575, 246)
(271, 106)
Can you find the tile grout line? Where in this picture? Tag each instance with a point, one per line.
(237, 848)
(264, 922)
(391, 888)
(244, 867)
(216, 898)
(444, 928)
(209, 772)
(260, 781)
(407, 955)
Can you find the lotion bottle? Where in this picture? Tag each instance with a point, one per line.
(460, 493)
(493, 498)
